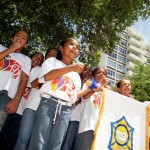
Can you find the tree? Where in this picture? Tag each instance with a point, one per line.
(141, 82)
(94, 22)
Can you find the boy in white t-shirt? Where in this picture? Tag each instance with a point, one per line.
(10, 129)
(14, 71)
(60, 90)
(90, 106)
(73, 126)
(31, 106)
(124, 87)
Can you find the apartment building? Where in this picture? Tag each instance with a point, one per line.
(122, 61)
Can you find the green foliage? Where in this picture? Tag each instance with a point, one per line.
(95, 22)
(141, 82)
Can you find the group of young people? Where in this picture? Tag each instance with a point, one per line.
(45, 102)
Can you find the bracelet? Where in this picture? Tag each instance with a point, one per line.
(17, 97)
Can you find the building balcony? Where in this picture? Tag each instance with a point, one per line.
(129, 73)
(132, 57)
(135, 42)
(130, 65)
(134, 33)
(134, 49)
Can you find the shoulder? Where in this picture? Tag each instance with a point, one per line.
(51, 61)
(2, 47)
(36, 69)
(24, 57)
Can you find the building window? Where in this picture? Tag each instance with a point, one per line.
(116, 47)
(111, 73)
(123, 43)
(121, 68)
(113, 55)
(124, 36)
(118, 76)
(121, 59)
(122, 50)
(111, 63)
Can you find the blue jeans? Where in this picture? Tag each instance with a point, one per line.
(46, 135)
(4, 100)
(9, 132)
(71, 134)
(25, 129)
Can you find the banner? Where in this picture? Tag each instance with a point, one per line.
(122, 124)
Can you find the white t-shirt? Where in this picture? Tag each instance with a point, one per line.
(34, 74)
(23, 101)
(34, 97)
(10, 71)
(64, 87)
(90, 111)
(76, 113)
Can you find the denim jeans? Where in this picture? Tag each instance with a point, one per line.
(46, 135)
(4, 100)
(71, 134)
(9, 132)
(25, 129)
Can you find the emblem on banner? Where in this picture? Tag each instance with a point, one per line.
(121, 135)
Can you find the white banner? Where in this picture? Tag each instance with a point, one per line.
(122, 124)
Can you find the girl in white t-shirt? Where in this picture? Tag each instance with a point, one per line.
(14, 71)
(59, 92)
(31, 107)
(10, 129)
(90, 106)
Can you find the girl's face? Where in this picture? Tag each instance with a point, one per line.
(37, 60)
(70, 50)
(20, 37)
(51, 53)
(125, 88)
(100, 75)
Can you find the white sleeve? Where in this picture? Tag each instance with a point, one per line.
(83, 88)
(47, 66)
(79, 83)
(34, 74)
(26, 66)
(2, 48)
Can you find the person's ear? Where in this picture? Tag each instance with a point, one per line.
(61, 49)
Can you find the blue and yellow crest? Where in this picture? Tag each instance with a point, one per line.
(121, 135)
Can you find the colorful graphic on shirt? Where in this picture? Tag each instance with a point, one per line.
(4, 63)
(8, 64)
(97, 101)
(26, 93)
(63, 83)
(121, 135)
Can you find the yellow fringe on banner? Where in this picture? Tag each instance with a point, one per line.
(99, 119)
(147, 128)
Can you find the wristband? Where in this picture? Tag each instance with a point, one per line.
(17, 97)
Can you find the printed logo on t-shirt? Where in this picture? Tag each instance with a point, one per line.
(8, 64)
(64, 84)
(97, 101)
(26, 93)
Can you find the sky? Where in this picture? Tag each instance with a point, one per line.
(143, 27)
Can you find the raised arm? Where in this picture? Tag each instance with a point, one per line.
(61, 71)
(13, 47)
